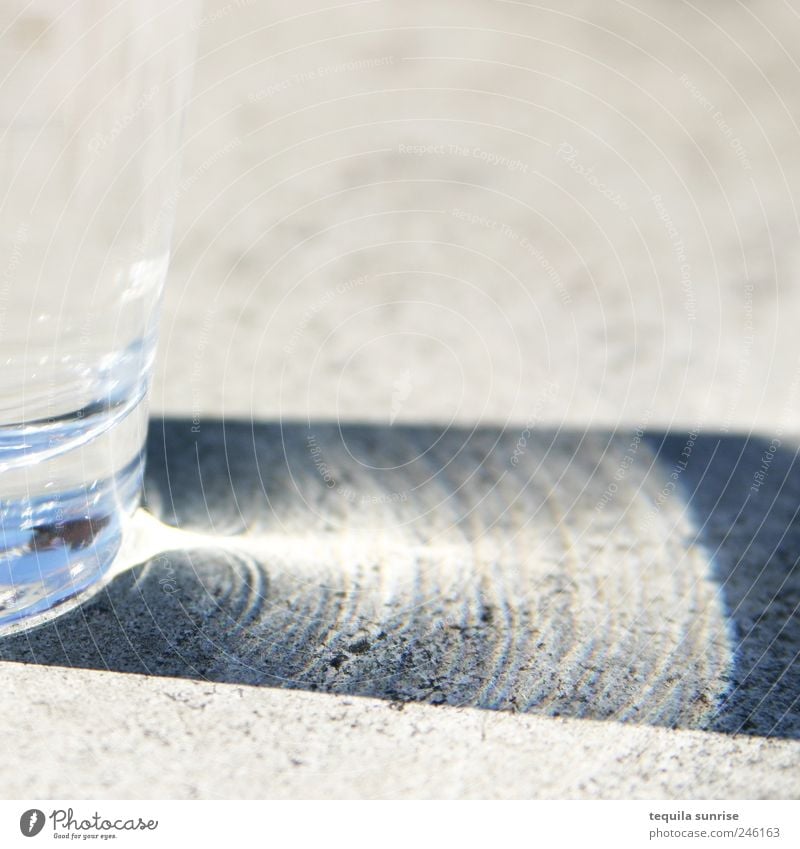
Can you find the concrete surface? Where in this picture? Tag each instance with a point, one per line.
(490, 585)
(478, 389)
(155, 738)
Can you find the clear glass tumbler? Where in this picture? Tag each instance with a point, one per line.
(92, 94)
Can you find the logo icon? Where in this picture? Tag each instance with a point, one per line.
(31, 822)
(401, 391)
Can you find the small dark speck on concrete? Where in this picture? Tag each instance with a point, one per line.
(337, 661)
(359, 646)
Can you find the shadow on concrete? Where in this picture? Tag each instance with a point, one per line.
(647, 578)
(743, 494)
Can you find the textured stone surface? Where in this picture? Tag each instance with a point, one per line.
(445, 276)
(152, 738)
(484, 585)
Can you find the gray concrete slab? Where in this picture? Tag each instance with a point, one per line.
(105, 735)
(478, 388)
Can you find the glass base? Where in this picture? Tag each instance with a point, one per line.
(56, 550)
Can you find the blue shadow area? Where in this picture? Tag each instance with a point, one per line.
(743, 495)
(648, 579)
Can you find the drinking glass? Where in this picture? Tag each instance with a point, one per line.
(92, 94)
